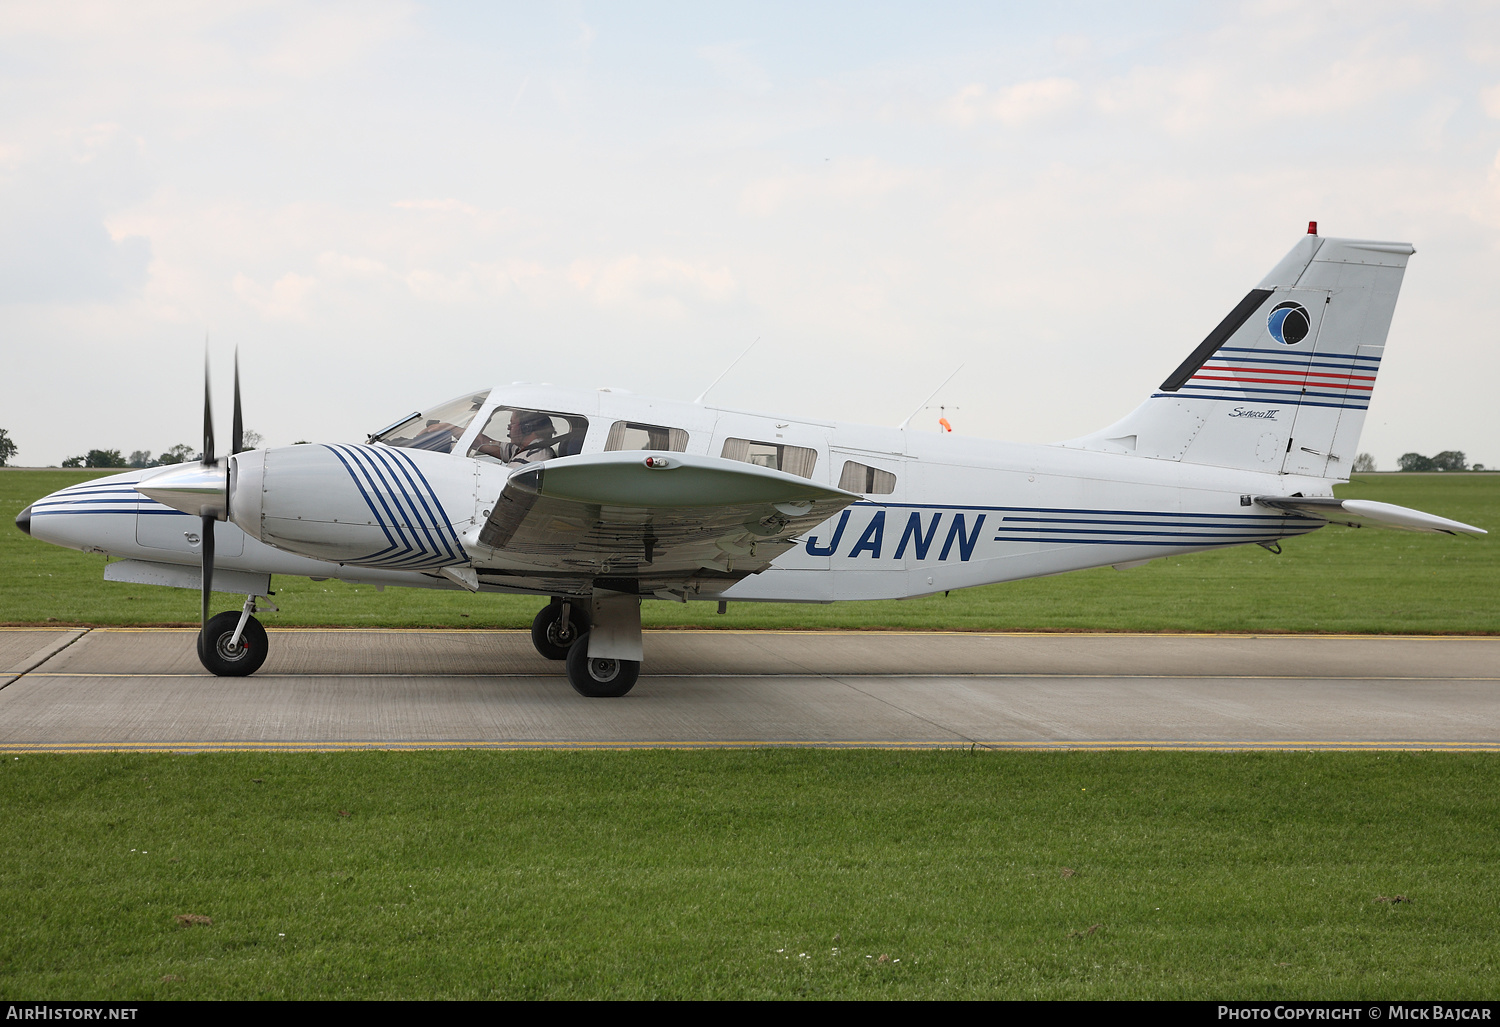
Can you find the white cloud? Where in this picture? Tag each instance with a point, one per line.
(286, 299)
(732, 65)
(856, 181)
(1024, 103)
(1489, 98)
(658, 287)
(449, 206)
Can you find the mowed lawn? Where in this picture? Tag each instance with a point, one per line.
(759, 874)
(1334, 580)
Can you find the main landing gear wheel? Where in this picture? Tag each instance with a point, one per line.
(551, 638)
(225, 660)
(600, 678)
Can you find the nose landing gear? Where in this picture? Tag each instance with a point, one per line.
(233, 644)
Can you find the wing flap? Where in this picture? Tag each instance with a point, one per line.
(1362, 512)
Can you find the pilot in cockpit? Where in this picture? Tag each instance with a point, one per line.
(531, 434)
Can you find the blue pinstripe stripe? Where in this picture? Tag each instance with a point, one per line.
(1073, 510)
(441, 520)
(431, 522)
(1256, 399)
(70, 501)
(374, 511)
(393, 521)
(1340, 356)
(422, 518)
(1142, 524)
(404, 505)
(1227, 536)
(1134, 542)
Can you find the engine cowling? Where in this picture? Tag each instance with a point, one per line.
(371, 506)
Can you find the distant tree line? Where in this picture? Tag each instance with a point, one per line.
(7, 448)
(142, 457)
(1447, 460)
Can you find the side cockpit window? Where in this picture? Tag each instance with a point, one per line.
(869, 481)
(796, 460)
(436, 429)
(515, 435)
(630, 435)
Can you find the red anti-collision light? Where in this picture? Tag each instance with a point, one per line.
(657, 461)
(1312, 228)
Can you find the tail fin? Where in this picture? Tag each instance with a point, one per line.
(1283, 382)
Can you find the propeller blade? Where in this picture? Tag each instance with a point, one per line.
(239, 422)
(206, 545)
(208, 416)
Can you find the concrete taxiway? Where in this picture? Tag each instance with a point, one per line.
(143, 689)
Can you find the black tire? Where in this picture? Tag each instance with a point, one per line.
(213, 646)
(547, 637)
(600, 678)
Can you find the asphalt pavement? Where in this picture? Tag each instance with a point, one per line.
(326, 689)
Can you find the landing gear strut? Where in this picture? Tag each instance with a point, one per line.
(605, 663)
(233, 644)
(558, 626)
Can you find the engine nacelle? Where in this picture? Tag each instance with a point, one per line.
(371, 506)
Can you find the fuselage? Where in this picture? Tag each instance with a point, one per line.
(938, 511)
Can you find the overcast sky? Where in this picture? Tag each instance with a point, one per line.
(385, 204)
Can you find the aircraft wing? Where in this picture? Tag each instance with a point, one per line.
(659, 516)
(1361, 512)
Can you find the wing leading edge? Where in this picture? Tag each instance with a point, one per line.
(663, 519)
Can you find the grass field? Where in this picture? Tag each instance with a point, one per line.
(1334, 580)
(762, 874)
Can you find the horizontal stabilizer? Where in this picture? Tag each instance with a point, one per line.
(1359, 513)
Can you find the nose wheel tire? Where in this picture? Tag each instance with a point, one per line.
(547, 632)
(600, 678)
(219, 657)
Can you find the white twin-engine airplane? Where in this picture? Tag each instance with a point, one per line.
(597, 499)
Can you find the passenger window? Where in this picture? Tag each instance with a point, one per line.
(796, 460)
(514, 436)
(629, 435)
(869, 481)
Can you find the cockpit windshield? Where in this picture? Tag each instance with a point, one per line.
(437, 428)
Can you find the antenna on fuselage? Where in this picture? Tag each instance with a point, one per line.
(726, 370)
(923, 405)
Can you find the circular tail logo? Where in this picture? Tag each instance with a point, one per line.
(1288, 323)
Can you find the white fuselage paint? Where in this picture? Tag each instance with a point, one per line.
(963, 511)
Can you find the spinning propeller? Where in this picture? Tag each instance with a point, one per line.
(222, 513)
(202, 489)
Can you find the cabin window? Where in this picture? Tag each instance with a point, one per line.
(797, 460)
(516, 435)
(869, 481)
(630, 435)
(436, 429)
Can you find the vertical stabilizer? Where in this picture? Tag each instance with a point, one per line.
(1282, 383)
